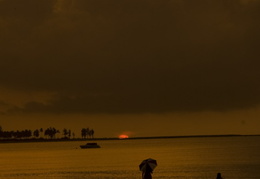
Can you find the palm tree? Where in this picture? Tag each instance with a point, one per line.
(86, 132)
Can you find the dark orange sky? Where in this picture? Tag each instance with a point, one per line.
(174, 67)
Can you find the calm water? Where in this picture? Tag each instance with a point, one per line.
(234, 157)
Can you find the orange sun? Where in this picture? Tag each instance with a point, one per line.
(123, 136)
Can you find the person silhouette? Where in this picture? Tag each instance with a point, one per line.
(147, 174)
(219, 176)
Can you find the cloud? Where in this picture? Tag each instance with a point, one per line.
(132, 56)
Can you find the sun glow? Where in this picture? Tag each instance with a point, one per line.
(123, 136)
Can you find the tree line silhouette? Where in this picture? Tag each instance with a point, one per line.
(49, 133)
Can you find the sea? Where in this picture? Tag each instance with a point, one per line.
(234, 157)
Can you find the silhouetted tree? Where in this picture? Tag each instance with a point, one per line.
(36, 133)
(7, 134)
(84, 133)
(66, 133)
(22, 134)
(51, 132)
(27, 133)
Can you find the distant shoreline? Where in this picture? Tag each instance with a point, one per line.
(115, 138)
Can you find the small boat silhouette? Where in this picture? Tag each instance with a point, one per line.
(89, 145)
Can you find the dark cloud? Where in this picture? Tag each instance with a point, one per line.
(133, 56)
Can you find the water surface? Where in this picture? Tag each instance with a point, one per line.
(234, 157)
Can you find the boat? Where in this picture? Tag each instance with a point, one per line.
(89, 145)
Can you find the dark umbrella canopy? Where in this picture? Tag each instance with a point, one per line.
(148, 164)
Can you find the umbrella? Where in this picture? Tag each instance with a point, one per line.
(148, 163)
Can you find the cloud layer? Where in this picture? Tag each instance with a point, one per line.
(131, 56)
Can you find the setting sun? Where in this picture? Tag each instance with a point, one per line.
(123, 136)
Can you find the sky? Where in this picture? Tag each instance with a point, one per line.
(134, 67)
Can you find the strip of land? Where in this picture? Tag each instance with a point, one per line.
(115, 138)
